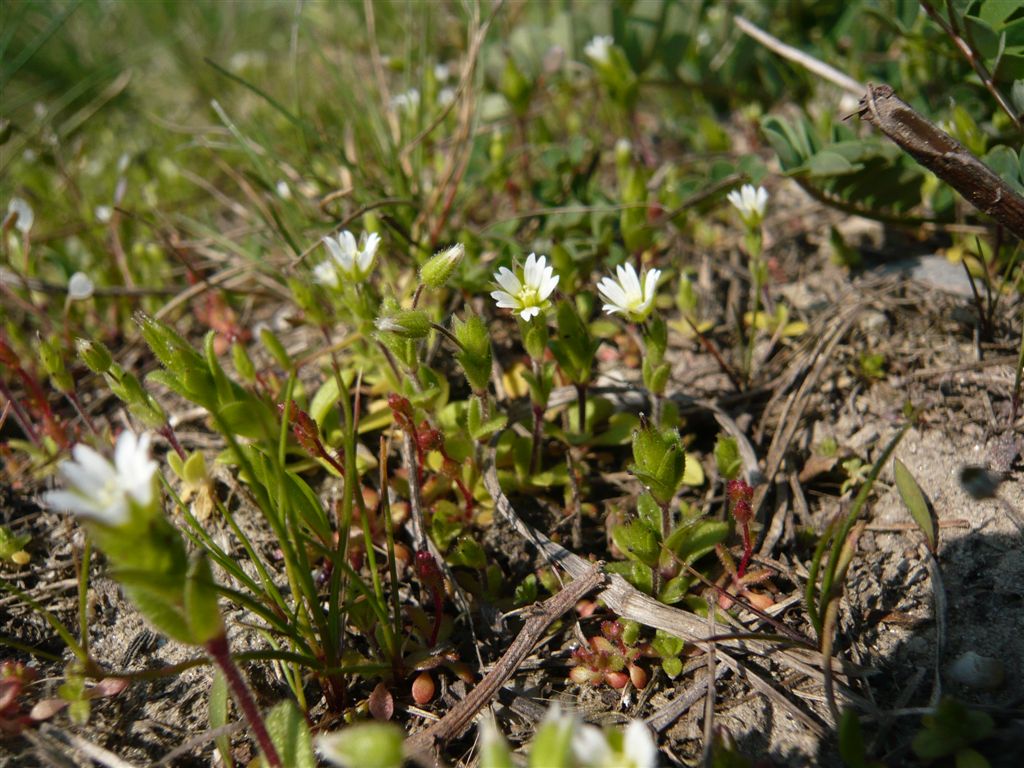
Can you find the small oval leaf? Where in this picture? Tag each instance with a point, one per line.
(915, 501)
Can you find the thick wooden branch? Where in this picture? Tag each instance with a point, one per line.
(944, 156)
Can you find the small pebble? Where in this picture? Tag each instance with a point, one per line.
(973, 670)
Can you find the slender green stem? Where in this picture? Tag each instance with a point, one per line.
(755, 308)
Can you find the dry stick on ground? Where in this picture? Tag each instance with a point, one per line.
(944, 156)
(422, 745)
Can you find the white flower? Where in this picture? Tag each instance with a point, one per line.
(629, 295)
(101, 490)
(326, 273)
(750, 203)
(590, 746)
(103, 214)
(599, 48)
(527, 295)
(591, 749)
(446, 96)
(638, 748)
(23, 210)
(353, 261)
(407, 102)
(80, 287)
(442, 72)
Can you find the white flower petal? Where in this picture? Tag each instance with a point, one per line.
(529, 312)
(80, 287)
(630, 282)
(68, 501)
(99, 489)
(507, 279)
(638, 746)
(372, 244)
(347, 243)
(505, 300)
(326, 273)
(532, 270)
(25, 215)
(590, 747)
(335, 249)
(549, 282)
(612, 292)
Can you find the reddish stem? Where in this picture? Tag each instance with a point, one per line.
(748, 550)
(221, 655)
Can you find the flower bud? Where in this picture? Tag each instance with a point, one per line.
(53, 362)
(475, 355)
(439, 267)
(406, 323)
(659, 461)
(94, 354)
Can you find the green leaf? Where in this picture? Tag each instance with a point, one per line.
(290, 734)
(827, 163)
(675, 589)
(9, 543)
(667, 644)
(217, 712)
(851, 740)
(1004, 161)
(637, 541)
(914, 499)
(971, 758)
(691, 541)
(693, 471)
(552, 745)
(673, 666)
(468, 553)
(727, 457)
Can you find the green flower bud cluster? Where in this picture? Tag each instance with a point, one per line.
(125, 386)
(474, 354)
(659, 461)
(53, 362)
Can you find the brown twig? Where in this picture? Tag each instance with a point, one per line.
(940, 153)
(421, 745)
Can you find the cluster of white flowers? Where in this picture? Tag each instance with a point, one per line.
(528, 292)
(406, 102)
(348, 259)
(102, 490)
